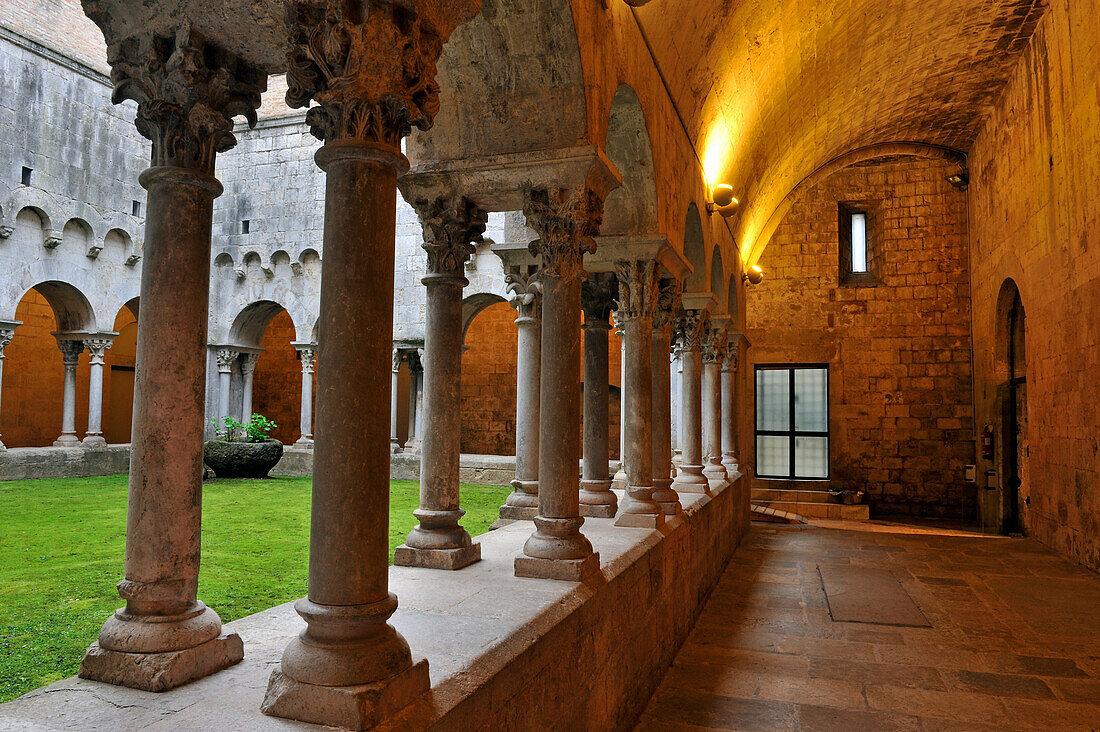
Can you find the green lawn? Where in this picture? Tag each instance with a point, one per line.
(62, 545)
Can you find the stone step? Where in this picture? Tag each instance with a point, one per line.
(811, 510)
(785, 494)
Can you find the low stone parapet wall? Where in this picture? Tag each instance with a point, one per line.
(20, 463)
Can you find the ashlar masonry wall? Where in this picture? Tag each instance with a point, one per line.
(898, 350)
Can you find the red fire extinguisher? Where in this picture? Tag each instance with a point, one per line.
(987, 442)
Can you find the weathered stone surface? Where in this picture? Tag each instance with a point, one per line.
(239, 459)
(161, 671)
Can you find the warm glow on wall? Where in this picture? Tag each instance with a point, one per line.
(715, 152)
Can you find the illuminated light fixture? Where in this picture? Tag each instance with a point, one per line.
(754, 276)
(960, 180)
(724, 201)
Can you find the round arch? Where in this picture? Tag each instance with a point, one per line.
(250, 324)
(473, 305)
(631, 208)
(718, 279)
(1010, 348)
(70, 306)
(695, 251)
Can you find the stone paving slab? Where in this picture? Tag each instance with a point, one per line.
(865, 595)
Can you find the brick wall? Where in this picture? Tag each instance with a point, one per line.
(489, 384)
(277, 381)
(899, 353)
(1035, 218)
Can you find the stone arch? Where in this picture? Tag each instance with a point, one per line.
(71, 308)
(118, 245)
(755, 247)
(280, 263)
(119, 375)
(310, 259)
(511, 81)
(473, 305)
(77, 233)
(631, 208)
(224, 259)
(250, 324)
(695, 251)
(1010, 348)
(35, 199)
(718, 286)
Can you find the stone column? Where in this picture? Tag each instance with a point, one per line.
(713, 354)
(637, 305)
(668, 302)
(371, 72)
(97, 349)
(619, 481)
(523, 501)
(729, 409)
(186, 91)
(416, 371)
(248, 367)
(689, 477)
(675, 373)
(7, 332)
(420, 421)
(70, 354)
(226, 357)
(450, 229)
(565, 220)
(395, 445)
(307, 354)
(596, 497)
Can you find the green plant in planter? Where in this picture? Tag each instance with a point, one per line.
(257, 429)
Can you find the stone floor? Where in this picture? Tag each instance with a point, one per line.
(1014, 642)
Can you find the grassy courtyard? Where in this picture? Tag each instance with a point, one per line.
(62, 545)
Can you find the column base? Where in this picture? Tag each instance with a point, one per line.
(411, 448)
(690, 479)
(716, 474)
(407, 556)
(519, 513)
(348, 707)
(597, 500)
(304, 442)
(666, 497)
(619, 481)
(730, 464)
(161, 671)
(94, 441)
(566, 570)
(598, 510)
(641, 520)
(395, 446)
(66, 441)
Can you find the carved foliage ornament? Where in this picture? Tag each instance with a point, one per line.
(669, 293)
(714, 344)
(688, 327)
(308, 357)
(370, 66)
(6, 334)
(97, 349)
(598, 294)
(526, 293)
(226, 357)
(566, 220)
(70, 351)
(187, 93)
(450, 228)
(638, 285)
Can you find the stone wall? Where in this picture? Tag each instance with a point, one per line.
(1035, 218)
(900, 379)
(277, 381)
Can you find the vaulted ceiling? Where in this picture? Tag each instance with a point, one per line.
(770, 90)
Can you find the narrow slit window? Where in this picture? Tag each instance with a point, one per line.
(245, 226)
(25, 178)
(859, 242)
(135, 208)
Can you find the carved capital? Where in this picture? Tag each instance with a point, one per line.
(688, 330)
(6, 334)
(526, 293)
(713, 343)
(395, 365)
(369, 65)
(638, 284)
(598, 294)
(226, 357)
(187, 90)
(450, 229)
(413, 358)
(308, 356)
(248, 362)
(97, 349)
(732, 357)
(70, 351)
(6, 231)
(669, 292)
(566, 220)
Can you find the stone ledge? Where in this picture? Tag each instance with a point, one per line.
(23, 463)
(494, 642)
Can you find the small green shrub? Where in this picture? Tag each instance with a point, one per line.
(257, 429)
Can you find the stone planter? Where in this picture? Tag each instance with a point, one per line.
(241, 459)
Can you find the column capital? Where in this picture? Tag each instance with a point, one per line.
(71, 348)
(714, 342)
(688, 327)
(226, 357)
(526, 293)
(370, 66)
(566, 220)
(307, 354)
(733, 358)
(669, 295)
(97, 347)
(395, 364)
(248, 362)
(188, 91)
(638, 284)
(451, 226)
(598, 294)
(7, 332)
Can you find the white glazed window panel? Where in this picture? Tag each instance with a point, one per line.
(773, 406)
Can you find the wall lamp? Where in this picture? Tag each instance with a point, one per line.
(754, 275)
(724, 201)
(960, 180)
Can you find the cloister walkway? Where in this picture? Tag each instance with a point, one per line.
(1013, 642)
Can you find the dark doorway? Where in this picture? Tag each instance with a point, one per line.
(1014, 456)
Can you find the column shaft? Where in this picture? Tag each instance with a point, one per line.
(689, 478)
(7, 332)
(523, 501)
(308, 358)
(662, 422)
(70, 352)
(395, 445)
(619, 481)
(729, 412)
(596, 498)
(97, 349)
(713, 354)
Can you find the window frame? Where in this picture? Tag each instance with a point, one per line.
(792, 432)
(872, 252)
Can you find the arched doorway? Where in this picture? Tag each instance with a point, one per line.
(1012, 400)
(265, 334)
(118, 376)
(489, 379)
